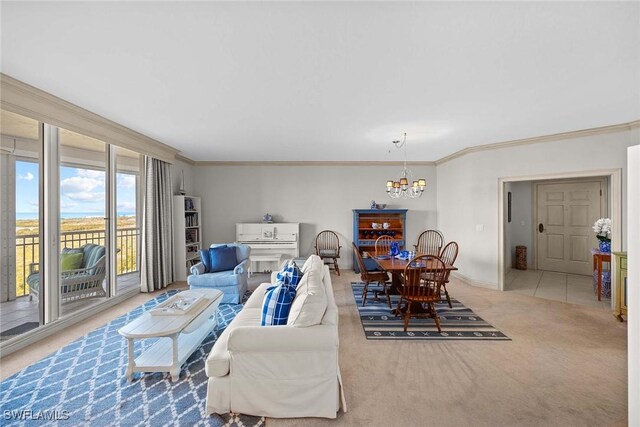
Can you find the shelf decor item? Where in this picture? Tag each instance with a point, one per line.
(602, 228)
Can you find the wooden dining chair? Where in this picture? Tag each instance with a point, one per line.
(430, 242)
(383, 245)
(328, 248)
(421, 282)
(371, 276)
(448, 256)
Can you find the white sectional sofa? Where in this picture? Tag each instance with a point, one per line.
(280, 371)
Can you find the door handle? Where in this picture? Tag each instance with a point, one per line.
(540, 227)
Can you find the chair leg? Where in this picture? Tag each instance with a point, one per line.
(407, 315)
(446, 294)
(364, 293)
(335, 266)
(435, 316)
(386, 292)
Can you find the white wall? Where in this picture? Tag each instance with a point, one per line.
(518, 232)
(468, 190)
(319, 197)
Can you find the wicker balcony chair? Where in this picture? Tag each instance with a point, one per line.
(85, 282)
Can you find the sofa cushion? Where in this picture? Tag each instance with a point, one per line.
(206, 260)
(289, 275)
(222, 258)
(310, 302)
(70, 261)
(277, 303)
(217, 364)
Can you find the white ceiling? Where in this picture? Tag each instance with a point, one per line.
(332, 81)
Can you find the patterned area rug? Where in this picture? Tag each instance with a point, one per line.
(458, 323)
(84, 384)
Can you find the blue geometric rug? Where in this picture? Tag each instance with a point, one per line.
(457, 323)
(84, 384)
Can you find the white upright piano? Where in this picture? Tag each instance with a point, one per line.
(270, 243)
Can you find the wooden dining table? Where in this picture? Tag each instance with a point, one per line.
(396, 267)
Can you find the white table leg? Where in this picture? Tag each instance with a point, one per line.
(132, 361)
(175, 368)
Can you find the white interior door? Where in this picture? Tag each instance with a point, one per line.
(566, 212)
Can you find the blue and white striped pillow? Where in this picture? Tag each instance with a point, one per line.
(277, 304)
(290, 275)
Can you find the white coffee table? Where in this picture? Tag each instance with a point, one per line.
(180, 335)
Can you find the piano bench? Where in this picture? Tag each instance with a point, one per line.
(278, 258)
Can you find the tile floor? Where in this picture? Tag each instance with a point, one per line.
(21, 310)
(571, 288)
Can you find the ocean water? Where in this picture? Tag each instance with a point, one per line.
(66, 215)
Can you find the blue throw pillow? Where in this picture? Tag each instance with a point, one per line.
(277, 304)
(206, 259)
(290, 275)
(222, 258)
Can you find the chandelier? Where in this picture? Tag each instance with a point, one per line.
(402, 188)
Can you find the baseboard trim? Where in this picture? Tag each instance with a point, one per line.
(31, 337)
(477, 283)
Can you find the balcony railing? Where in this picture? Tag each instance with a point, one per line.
(28, 251)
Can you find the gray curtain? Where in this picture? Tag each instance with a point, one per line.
(157, 226)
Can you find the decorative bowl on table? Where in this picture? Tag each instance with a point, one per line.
(381, 205)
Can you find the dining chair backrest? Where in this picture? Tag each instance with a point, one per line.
(449, 253)
(327, 243)
(361, 266)
(383, 245)
(430, 242)
(423, 278)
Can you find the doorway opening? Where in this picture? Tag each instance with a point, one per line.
(552, 217)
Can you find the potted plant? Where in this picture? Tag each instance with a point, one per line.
(602, 228)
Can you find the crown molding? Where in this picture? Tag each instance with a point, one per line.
(495, 146)
(21, 98)
(185, 160)
(308, 163)
(539, 139)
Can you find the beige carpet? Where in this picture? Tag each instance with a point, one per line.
(566, 365)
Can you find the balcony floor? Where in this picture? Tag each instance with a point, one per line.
(21, 310)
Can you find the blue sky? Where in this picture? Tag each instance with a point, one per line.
(82, 191)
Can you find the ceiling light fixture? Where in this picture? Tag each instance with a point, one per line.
(402, 189)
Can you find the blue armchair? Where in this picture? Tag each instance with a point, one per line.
(232, 283)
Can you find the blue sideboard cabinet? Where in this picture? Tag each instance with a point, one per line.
(365, 234)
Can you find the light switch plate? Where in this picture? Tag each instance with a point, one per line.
(479, 227)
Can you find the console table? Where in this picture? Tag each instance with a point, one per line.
(598, 259)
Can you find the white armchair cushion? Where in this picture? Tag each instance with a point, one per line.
(310, 302)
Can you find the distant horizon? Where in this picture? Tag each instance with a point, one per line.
(70, 215)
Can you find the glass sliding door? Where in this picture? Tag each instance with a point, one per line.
(128, 216)
(21, 286)
(83, 226)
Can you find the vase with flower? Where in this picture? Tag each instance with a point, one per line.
(602, 228)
